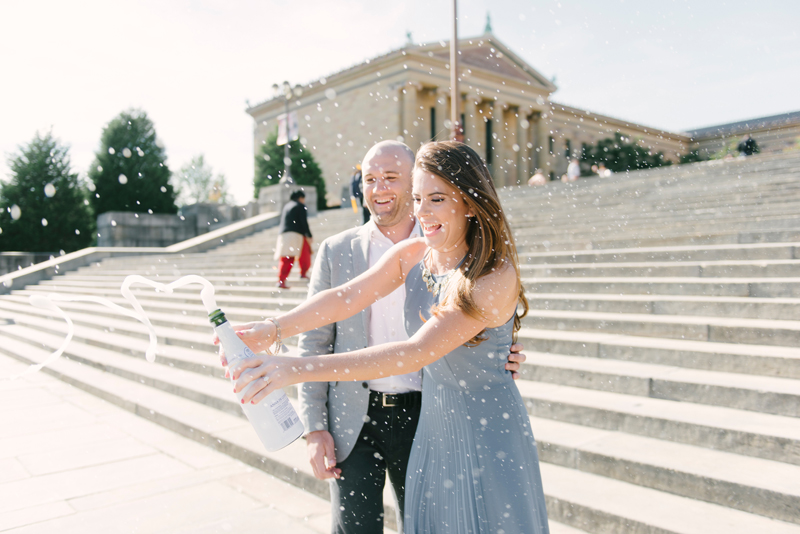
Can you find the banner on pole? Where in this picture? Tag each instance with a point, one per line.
(294, 128)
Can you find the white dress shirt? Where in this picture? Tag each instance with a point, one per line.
(386, 322)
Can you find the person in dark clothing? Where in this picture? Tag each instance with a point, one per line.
(294, 239)
(748, 146)
(357, 194)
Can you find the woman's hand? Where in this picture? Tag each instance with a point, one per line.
(265, 373)
(258, 336)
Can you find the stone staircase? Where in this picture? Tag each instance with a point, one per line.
(663, 374)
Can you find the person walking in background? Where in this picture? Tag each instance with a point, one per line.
(357, 194)
(294, 239)
(603, 172)
(538, 178)
(573, 170)
(747, 146)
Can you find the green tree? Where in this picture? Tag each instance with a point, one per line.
(620, 154)
(195, 182)
(130, 171)
(44, 207)
(692, 157)
(304, 170)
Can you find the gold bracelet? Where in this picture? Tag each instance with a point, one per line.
(277, 343)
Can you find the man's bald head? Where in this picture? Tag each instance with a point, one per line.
(386, 182)
(403, 156)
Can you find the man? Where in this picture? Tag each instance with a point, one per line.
(356, 194)
(359, 431)
(747, 146)
(294, 238)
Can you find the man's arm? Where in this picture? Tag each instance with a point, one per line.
(313, 396)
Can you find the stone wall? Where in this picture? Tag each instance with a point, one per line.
(126, 229)
(12, 261)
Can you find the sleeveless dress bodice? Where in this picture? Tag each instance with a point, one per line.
(474, 467)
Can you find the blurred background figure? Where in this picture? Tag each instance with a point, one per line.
(538, 178)
(747, 146)
(294, 239)
(573, 170)
(357, 194)
(603, 172)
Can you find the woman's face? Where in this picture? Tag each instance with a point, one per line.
(441, 211)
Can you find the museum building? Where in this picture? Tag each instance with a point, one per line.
(506, 109)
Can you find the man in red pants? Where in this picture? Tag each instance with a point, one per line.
(294, 239)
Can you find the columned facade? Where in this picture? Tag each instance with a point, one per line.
(508, 117)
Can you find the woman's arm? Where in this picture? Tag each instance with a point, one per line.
(338, 303)
(438, 336)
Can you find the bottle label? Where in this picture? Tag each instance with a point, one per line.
(284, 412)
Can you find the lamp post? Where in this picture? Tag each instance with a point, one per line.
(285, 90)
(456, 128)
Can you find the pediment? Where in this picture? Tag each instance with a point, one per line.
(486, 53)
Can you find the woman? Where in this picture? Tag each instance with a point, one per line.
(474, 467)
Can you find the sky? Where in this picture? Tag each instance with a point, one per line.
(192, 65)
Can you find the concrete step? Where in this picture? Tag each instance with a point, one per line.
(653, 285)
(706, 269)
(697, 328)
(752, 307)
(232, 435)
(764, 360)
(770, 437)
(759, 251)
(780, 396)
(755, 434)
(756, 393)
(763, 487)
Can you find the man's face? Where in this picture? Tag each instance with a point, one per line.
(386, 175)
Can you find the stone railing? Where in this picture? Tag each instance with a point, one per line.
(81, 258)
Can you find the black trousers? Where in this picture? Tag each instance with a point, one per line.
(383, 445)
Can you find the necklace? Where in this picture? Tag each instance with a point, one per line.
(430, 282)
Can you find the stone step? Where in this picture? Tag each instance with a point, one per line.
(753, 307)
(697, 328)
(706, 269)
(721, 287)
(764, 360)
(599, 504)
(232, 435)
(262, 288)
(779, 396)
(770, 437)
(758, 251)
(756, 393)
(763, 487)
(749, 433)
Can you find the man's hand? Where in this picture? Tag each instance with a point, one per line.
(515, 360)
(321, 455)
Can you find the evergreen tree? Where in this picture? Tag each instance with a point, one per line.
(130, 171)
(195, 183)
(303, 170)
(43, 208)
(620, 155)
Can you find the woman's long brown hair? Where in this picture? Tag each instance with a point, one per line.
(489, 237)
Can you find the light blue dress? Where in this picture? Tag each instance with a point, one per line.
(474, 467)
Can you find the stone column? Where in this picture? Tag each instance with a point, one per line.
(523, 138)
(410, 131)
(545, 159)
(473, 132)
(442, 115)
(498, 165)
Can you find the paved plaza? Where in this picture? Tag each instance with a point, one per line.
(72, 463)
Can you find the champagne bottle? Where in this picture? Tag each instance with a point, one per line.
(274, 419)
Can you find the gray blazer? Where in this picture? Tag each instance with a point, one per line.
(338, 407)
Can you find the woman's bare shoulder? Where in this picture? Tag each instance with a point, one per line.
(496, 293)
